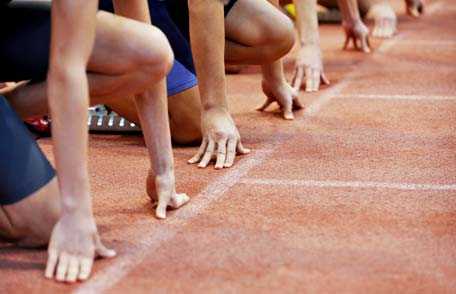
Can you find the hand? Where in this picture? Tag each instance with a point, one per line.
(415, 8)
(162, 190)
(385, 20)
(308, 64)
(284, 95)
(73, 246)
(220, 138)
(358, 32)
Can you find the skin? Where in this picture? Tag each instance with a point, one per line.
(355, 30)
(250, 39)
(414, 8)
(83, 45)
(383, 15)
(309, 65)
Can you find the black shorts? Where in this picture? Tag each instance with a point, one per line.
(24, 169)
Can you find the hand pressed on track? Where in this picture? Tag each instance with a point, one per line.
(221, 139)
(73, 246)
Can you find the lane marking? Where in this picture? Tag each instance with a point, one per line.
(327, 95)
(422, 42)
(349, 184)
(397, 97)
(152, 234)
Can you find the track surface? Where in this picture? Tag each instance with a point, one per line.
(358, 194)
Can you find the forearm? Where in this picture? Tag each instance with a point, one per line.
(273, 72)
(207, 36)
(349, 10)
(68, 98)
(307, 22)
(152, 107)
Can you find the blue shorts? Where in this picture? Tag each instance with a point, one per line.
(24, 169)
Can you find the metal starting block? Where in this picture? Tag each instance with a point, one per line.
(102, 119)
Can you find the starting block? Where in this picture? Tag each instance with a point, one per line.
(102, 119)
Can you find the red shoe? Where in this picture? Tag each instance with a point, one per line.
(39, 126)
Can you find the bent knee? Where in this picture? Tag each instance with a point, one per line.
(278, 38)
(153, 55)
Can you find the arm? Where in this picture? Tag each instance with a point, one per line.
(74, 241)
(354, 27)
(152, 108)
(276, 88)
(207, 38)
(309, 61)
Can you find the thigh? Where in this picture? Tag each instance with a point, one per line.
(24, 169)
(29, 222)
(184, 111)
(253, 22)
(28, 187)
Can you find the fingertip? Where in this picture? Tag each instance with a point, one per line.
(160, 211)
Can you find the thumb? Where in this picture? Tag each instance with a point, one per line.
(160, 211)
(101, 250)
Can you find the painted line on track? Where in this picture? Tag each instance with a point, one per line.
(397, 97)
(152, 234)
(349, 184)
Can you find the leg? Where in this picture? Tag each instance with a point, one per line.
(29, 195)
(140, 61)
(184, 114)
(29, 222)
(257, 33)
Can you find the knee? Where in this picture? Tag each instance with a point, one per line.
(280, 37)
(153, 56)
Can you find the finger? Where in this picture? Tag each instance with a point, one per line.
(375, 31)
(160, 210)
(85, 268)
(316, 79)
(51, 263)
(266, 104)
(73, 269)
(308, 79)
(324, 79)
(221, 154)
(62, 266)
(297, 81)
(200, 152)
(208, 154)
(347, 41)
(288, 108)
(101, 250)
(364, 44)
(240, 148)
(179, 200)
(231, 153)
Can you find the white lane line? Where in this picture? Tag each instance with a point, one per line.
(397, 97)
(421, 42)
(349, 184)
(327, 95)
(153, 234)
(435, 6)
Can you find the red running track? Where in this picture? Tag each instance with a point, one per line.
(357, 195)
